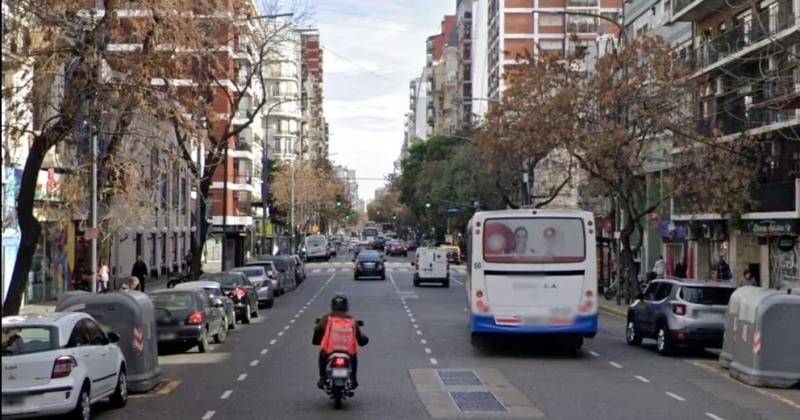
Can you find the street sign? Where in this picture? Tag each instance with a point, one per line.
(451, 211)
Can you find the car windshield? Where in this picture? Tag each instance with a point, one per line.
(230, 281)
(315, 241)
(250, 272)
(29, 339)
(707, 295)
(172, 301)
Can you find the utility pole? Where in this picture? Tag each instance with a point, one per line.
(198, 216)
(291, 242)
(93, 206)
(265, 188)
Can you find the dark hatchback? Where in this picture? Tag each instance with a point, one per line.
(241, 291)
(369, 264)
(188, 317)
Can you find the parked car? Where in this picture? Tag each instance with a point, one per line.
(240, 289)
(188, 317)
(679, 312)
(369, 264)
(214, 290)
(286, 269)
(300, 269)
(273, 275)
(263, 285)
(60, 363)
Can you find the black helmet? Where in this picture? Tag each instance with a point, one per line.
(339, 303)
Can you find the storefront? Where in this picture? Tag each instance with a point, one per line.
(679, 262)
(777, 241)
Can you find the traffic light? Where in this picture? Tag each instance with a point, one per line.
(427, 201)
(394, 217)
(338, 201)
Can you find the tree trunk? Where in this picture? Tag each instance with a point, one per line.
(29, 226)
(628, 283)
(202, 231)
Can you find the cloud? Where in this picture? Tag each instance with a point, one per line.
(372, 48)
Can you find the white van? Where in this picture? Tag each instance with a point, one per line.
(317, 248)
(431, 266)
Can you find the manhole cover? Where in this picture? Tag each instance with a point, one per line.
(477, 401)
(458, 377)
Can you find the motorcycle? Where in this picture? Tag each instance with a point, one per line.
(339, 373)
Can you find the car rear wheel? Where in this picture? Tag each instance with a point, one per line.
(119, 398)
(232, 321)
(83, 409)
(246, 317)
(416, 280)
(632, 335)
(663, 341)
(222, 334)
(446, 283)
(383, 276)
(270, 303)
(202, 346)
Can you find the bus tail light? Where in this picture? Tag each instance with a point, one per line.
(479, 294)
(482, 306)
(587, 302)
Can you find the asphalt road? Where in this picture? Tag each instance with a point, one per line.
(267, 370)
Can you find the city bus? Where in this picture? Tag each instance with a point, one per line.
(532, 272)
(369, 233)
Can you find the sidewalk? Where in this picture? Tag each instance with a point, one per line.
(50, 306)
(611, 307)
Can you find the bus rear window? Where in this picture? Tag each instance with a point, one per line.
(534, 240)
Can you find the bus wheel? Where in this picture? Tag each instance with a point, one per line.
(572, 343)
(477, 340)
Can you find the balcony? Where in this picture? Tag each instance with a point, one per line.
(695, 10)
(775, 197)
(729, 122)
(745, 35)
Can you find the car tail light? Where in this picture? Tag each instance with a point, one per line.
(196, 318)
(239, 293)
(679, 309)
(339, 362)
(62, 367)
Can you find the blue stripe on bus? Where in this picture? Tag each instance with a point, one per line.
(582, 325)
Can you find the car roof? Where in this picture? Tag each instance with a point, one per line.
(203, 284)
(696, 282)
(64, 321)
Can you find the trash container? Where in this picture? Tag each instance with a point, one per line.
(130, 314)
(730, 337)
(766, 351)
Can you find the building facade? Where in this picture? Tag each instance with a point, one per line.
(314, 128)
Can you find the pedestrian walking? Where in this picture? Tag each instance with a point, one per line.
(140, 271)
(659, 267)
(103, 276)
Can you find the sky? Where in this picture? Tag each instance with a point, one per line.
(371, 50)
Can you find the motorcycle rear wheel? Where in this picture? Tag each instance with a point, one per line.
(337, 397)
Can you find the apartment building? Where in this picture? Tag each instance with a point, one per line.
(520, 29)
(464, 74)
(446, 93)
(313, 129)
(282, 115)
(434, 51)
(745, 58)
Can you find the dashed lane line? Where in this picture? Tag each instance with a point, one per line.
(675, 396)
(254, 362)
(208, 415)
(225, 395)
(419, 332)
(242, 377)
(643, 379)
(434, 361)
(615, 364)
(280, 333)
(264, 351)
(286, 327)
(272, 342)
(594, 353)
(428, 350)
(423, 341)
(714, 416)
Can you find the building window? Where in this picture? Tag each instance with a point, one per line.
(152, 245)
(581, 24)
(175, 247)
(582, 3)
(163, 249)
(549, 20)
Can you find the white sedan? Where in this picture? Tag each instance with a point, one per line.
(59, 363)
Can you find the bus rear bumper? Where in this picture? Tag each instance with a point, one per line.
(585, 326)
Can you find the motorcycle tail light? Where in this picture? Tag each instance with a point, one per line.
(339, 362)
(196, 318)
(62, 367)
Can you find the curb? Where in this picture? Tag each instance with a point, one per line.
(614, 311)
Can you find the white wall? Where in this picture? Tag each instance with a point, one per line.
(480, 65)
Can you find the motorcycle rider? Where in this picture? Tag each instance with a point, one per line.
(347, 342)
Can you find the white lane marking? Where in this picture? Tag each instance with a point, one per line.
(280, 333)
(391, 279)
(316, 270)
(676, 396)
(419, 332)
(714, 416)
(643, 379)
(457, 281)
(423, 341)
(286, 327)
(298, 315)
(264, 351)
(225, 395)
(331, 270)
(272, 342)
(434, 361)
(291, 321)
(615, 364)
(254, 362)
(413, 320)
(208, 415)
(594, 353)
(416, 327)
(427, 350)
(410, 315)
(242, 377)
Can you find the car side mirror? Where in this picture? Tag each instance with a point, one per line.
(360, 323)
(113, 337)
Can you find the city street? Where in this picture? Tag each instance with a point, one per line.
(268, 369)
